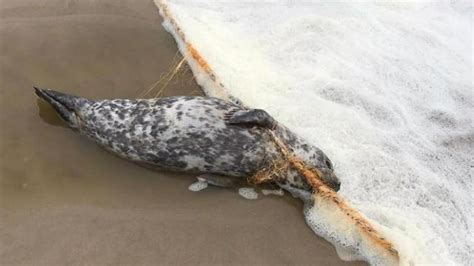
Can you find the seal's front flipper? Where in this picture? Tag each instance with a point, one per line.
(219, 180)
(253, 117)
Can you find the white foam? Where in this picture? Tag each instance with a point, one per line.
(248, 193)
(199, 185)
(384, 88)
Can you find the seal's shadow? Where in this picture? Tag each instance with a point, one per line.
(48, 114)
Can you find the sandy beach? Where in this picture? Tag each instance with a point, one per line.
(65, 201)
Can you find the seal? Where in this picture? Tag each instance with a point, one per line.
(221, 141)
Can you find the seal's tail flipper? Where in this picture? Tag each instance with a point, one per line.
(253, 117)
(67, 106)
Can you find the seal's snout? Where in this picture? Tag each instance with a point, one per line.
(330, 179)
(67, 106)
(334, 182)
(336, 186)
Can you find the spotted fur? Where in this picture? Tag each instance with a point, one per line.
(184, 133)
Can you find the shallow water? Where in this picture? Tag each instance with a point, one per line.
(63, 200)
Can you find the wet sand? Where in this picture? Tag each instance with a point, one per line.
(63, 200)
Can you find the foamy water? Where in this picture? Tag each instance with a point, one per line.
(199, 185)
(248, 193)
(384, 88)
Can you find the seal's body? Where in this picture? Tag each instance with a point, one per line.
(200, 135)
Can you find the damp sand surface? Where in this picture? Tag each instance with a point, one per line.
(63, 200)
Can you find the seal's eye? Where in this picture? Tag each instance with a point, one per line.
(329, 164)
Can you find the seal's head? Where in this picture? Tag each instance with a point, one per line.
(324, 170)
(317, 162)
(69, 107)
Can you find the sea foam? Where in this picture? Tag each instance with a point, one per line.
(384, 88)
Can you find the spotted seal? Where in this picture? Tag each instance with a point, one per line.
(219, 140)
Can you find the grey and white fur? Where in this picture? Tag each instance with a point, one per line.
(217, 139)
